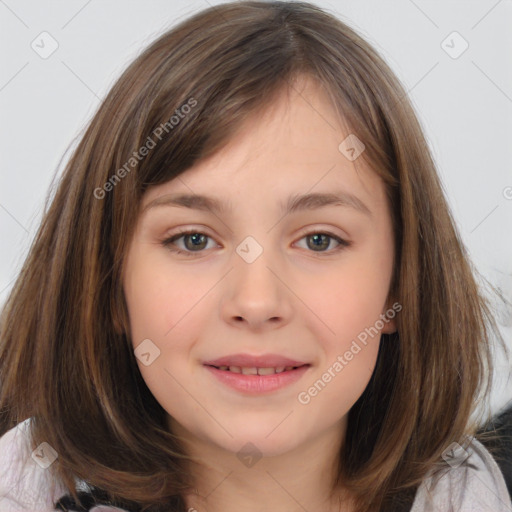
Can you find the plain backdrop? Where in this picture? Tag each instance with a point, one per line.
(454, 58)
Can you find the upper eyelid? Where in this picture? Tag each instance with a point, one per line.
(203, 231)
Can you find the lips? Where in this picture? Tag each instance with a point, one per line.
(255, 365)
(256, 380)
(254, 370)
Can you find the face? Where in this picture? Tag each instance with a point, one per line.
(306, 287)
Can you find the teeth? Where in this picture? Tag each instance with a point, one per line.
(256, 371)
(266, 371)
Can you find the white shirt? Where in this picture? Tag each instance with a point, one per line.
(26, 483)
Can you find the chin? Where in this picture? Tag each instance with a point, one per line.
(264, 438)
(260, 442)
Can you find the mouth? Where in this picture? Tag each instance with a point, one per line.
(254, 370)
(256, 380)
(248, 361)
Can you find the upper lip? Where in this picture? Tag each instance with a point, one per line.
(248, 361)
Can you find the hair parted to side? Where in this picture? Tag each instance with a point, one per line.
(66, 359)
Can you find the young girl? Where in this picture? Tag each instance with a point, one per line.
(248, 292)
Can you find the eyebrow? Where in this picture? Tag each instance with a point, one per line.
(297, 202)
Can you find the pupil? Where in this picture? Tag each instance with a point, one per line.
(316, 238)
(196, 237)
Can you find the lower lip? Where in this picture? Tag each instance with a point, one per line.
(256, 384)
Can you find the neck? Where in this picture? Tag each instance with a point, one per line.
(294, 481)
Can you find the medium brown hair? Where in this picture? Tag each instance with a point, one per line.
(66, 359)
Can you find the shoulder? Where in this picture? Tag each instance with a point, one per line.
(27, 483)
(473, 482)
(25, 480)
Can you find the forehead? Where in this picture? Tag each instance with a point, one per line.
(296, 145)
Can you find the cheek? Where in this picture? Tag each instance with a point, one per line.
(164, 307)
(351, 343)
(169, 309)
(158, 299)
(351, 305)
(341, 384)
(353, 297)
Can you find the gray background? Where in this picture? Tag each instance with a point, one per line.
(464, 103)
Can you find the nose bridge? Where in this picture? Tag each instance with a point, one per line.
(254, 292)
(254, 259)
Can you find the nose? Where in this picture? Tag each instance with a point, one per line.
(256, 295)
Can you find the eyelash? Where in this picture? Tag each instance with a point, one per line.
(168, 242)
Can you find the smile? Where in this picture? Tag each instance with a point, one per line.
(255, 380)
(256, 371)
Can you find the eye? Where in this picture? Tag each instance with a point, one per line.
(196, 241)
(322, 240)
